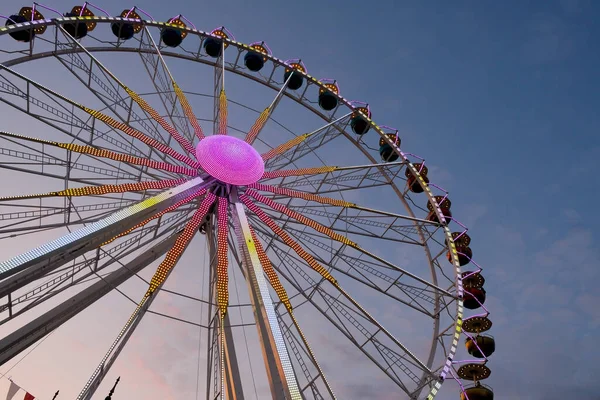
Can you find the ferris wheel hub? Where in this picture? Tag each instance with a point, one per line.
(230, 160)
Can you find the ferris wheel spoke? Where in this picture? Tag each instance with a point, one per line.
(346, 178)
(108, 154)
(143, 104)
(59, 112)
(105, 89)
(304, 355)
(22, 338)
(263, 117)
(109, 121)
(336, 236)
(176, 105)
(290, 152)
(357, 325)
(160, 276)
(85, 269)
(376, 276)
(102, 189)
(377, 225)
(39, 158)
(27, 267)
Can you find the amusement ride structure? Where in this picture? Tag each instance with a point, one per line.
(137, 175)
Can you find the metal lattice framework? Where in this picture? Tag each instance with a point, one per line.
(141, 174)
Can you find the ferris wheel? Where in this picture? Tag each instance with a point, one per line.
(328, 220)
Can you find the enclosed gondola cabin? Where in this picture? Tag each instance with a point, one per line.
(444, 203)
(480, 346)
(358, 123)
(473, 298)
(477, 324)
(79, 29)
(465, 254)
(294, 78)
(412, 181)
(26, 14)
(387, 152)
(477, 392)
(255, 59)
(124, 30)
(472, 279)
(328, 96)
(173, 34)
(213, 45)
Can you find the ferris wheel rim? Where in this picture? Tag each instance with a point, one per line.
(281, 63)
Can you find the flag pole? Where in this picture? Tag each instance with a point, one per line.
(109, 397)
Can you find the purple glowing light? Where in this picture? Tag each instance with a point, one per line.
(230, 160)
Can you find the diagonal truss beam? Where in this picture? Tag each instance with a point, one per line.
(27, 267)
(16, 342)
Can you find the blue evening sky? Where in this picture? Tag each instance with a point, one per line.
(501, 98)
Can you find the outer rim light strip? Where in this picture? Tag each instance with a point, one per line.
(284, 357)
(94, 227)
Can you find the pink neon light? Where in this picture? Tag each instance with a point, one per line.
(230, 160)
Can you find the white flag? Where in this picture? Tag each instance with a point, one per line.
(12, 390)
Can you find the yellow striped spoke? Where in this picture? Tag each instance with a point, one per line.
(222, 262)
(270, 272)
(180, 245)
(103, 189)
(297, 172)
(282, 148)
(155, 116)
(301, 195)
(287, 239)
(222, 130)
(187, 109)
(93, 151)
(258, 125)
(300, 218)
(140, 136)
(158, 215)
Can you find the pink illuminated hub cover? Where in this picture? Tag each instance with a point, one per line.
(230, 160)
